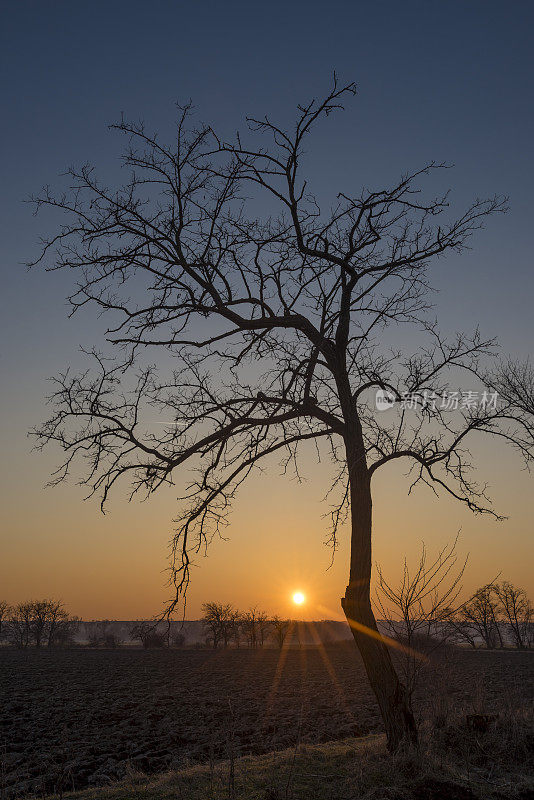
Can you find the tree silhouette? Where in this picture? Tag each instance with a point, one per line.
(416, 610)
(147, 633)
(277, 329)
(5, 611)
(39, 623)
(516, 611)
(280, 629)
(478, 618)
(220, 620)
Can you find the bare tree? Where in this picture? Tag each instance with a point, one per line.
(40, 618)
(461, 629)
(19, 626)
(277, 327)
(41, 622)
(516, 609)
(103, 635)
(478, 618)
(264, 626)
(249, 628)
(280, 629)
(148, 634)
(60, 625)
(64, 631)
(5, 612)
(220, 620)
(255, 625)
(416, 611)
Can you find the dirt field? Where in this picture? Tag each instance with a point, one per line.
(85, 717)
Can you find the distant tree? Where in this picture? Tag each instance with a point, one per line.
(280, 629)
(19, 628)
(249, 627)
(103, 635)
(219, 620)
(41, 622)
(478, 618)
(148, 635)
(93, 638)
(264, 626)
(58, 626)
(516, 610)
(57, 619)
(5, 612)
(64, 632)
(460, 628)
(140, 632)
(231, 630)
(280, 329)
(255, 625)
(238, 629)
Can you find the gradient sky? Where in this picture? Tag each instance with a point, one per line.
(445, 81)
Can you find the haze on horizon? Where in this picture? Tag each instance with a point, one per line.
(468, 108)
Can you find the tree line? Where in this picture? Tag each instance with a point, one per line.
(225, 625)
(425, 604)
(423, 612)
(491, 610)
(37, 623)
(497, 615)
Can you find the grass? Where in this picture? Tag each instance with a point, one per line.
(351, 769)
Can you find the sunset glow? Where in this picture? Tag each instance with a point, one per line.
(298, 598)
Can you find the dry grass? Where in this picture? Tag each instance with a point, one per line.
(454, 763)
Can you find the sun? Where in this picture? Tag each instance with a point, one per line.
(298, 598)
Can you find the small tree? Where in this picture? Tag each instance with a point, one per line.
(280, 629)
(220, 620)
(59, 626)
(264, 626)
(40, 620)
(64, 632)
(103, 635)
(19, 627)
(140, 632)
(148, 635)
(461, 629)
(478, 618)
(250, 627)
(517, 611)
(416, 611)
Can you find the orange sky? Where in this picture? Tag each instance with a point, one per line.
(113, 565)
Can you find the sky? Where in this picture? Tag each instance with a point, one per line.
(445, 81)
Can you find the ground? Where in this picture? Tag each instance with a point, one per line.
(79, 718)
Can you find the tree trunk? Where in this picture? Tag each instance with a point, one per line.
(390, 693)
(392, 697)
